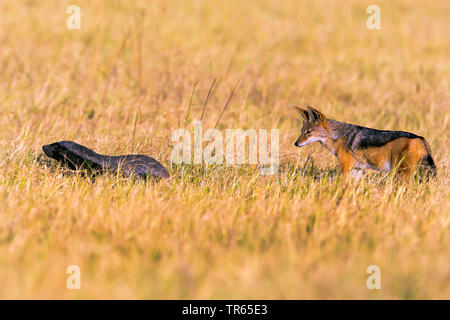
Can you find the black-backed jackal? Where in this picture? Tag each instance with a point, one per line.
(358, 148)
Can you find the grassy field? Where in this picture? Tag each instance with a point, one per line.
(123, 83)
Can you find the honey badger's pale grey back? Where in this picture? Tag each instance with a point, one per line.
(76, 156)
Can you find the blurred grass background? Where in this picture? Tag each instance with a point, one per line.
(219, 232)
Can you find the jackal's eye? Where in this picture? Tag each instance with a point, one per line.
(308, 131)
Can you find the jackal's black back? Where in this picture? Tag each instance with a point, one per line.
(373, 138)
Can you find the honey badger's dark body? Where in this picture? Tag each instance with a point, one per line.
(76, 156)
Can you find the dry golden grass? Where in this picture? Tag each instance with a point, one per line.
(220, 232)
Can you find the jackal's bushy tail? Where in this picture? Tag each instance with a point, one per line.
(427, 162)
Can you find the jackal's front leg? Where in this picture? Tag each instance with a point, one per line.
(345, 159)
(357, 173)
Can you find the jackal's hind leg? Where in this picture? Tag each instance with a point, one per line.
(412, 157)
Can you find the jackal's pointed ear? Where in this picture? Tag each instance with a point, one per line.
(303, 113)
(316, 116)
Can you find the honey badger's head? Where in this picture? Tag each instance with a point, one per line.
(55, 151)
(63, 151)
